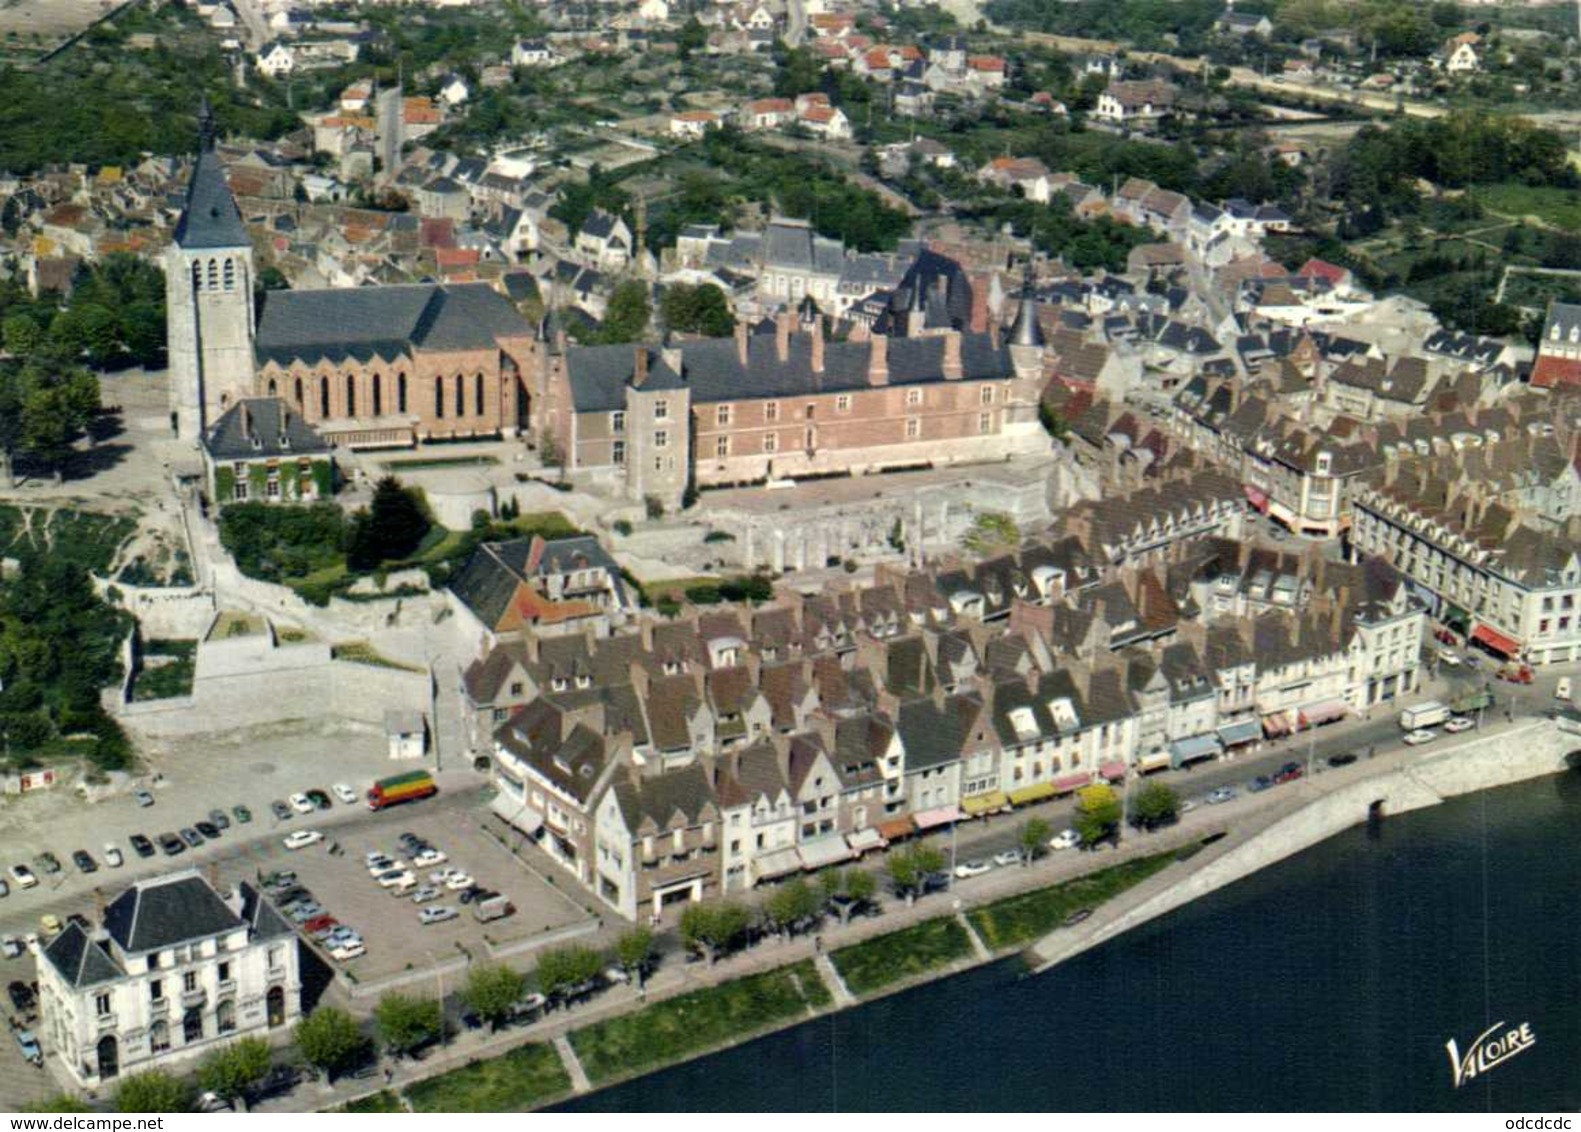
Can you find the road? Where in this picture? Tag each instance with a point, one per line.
(252, 19)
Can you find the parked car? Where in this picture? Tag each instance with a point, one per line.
(380, 863)
(280, 810)
(112, 856)
(23, 876)
(141, 845)
(395, 877)
(1288, 773)
(1449, 658)
(48, 862)
(172, 845)
(1187, 806)
(213, 1102)
(1344, 758)
(345, 793)
(51, 925)
(348, 951)
(301, 804)
(302, 838)
(84, 861)
(1007, 857)
(5, 888)
(426, 893)
(1421, 735)
(191, 836)
(459, 880)
(429, 857)
(217, 816)
(1065, 839)
(1458, 724)
(144, 798)
(319, 799)
(29, 1046)
(279, 880)
(968, 869)
(1259, 784)
(437, 914)
(208, 829)
(1220, 795)
(12, 947)
(242, 814)
(308, 910)
(20, 993)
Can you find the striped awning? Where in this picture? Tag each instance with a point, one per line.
(777, 864)
(943, 815)
(1235, 734)
(1328, 711)
(1036, 792)
(1188, 750)
(980, 804)
(823, 851)
(864, 839)
(1072, 782)
(1113, 771)
(896, 828)
(1496, 640)
(517, 813)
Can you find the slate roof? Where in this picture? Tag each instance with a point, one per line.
(81, 961)
(263, 920)
(684, 793)
(210, 218)
(159, 913)
(385, 322)
(258, 427)
(712, 368)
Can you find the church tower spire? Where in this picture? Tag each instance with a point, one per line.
(209, 296)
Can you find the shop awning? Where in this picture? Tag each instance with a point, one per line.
(517, 814)
(1235, 734)
(1328, 711)
(980, 804)
(1072, 782)
(1155, 760)
(1192, 749)
(1036, 792)
(1456, 617)
(1113, 771)
(777, 863)
(896, 828)
(1497, 641)
(1276, 724)
(1258, 499)
(1282, 513)
(864, 839)
(944, 815)
(823, 851)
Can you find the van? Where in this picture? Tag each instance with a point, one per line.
(494, 907)
(1430, 714)
(1562, 689)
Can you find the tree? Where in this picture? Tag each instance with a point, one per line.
(392, 528)
(60, 1102)
(909, 869)
(154, 1091)
(702, 309)
(22, 335)
(634, 953)
(626, 318)
(1033, 837)
(406, 1024)
(791, 906)
(993, 532)
(329, 1039)
(846, 890)
(1097, 814)
(714, 927)
(565, 971)
(492, 992)
(692, 37)
(1156, 804)
(235, 1070)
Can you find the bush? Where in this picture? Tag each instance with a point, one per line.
(273, 542)
(623, 527)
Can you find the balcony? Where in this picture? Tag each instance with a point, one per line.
(110, 1021)
(227, 987)
(159, 1006)
(192, 998)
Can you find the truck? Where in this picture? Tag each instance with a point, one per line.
(409, 787)
(1473, 702)
(494, 907)
(1429, 714)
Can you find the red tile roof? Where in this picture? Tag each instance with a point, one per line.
(1550, 372)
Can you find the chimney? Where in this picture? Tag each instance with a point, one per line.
(741, 342)
(247, 422)
(534, 651)
(878, 360)
(817, 346)
(639, 373)
(782, 333)
(952, 355)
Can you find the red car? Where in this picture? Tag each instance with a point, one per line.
(319, 927)
(1445, 636)
(1288, 773)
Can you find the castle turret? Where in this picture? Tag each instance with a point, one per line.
(1026, 335)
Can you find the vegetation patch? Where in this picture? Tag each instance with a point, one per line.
(524, 1078)
(678, 1027)
(167, 670)
(1020, 919)
(382, 1101)
(418, 464)
(361, 652)
(876, 963)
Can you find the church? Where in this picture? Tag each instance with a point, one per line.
(402, 365)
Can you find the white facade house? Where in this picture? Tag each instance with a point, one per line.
(276, 59)
(177, 970)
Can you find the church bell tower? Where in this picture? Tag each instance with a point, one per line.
(208, 298)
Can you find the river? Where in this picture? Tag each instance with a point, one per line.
(1329, 982)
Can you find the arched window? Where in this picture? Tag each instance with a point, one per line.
(400, 393)
(272, 392)
(323, 398)
(192, 1025)
(461, 399)
(214, 275)
(378, 396)
(159, 1036)
(230, 274)
(299, 393)
(439, 397)
(477, 394)
(197, 283)
(225, 1016)
(351, 395)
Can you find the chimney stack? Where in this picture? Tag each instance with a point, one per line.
(639, 373)
(817, 345)
(952, 355)
(782, 333)
(741, 342)
(878, 360)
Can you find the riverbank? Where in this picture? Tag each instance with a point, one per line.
(1188, 863)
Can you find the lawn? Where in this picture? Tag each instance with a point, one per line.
(382, 1101)
(1021, 919)
(396, 467)
(361, 652)
(525, 1077)
(876, 963)
(168, 668)
(1560, 208)
(670, 1030)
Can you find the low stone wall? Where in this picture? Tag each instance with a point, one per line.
(1529, 751)
(169, 612)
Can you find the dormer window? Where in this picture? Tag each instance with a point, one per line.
(558, 683)
(584, 681)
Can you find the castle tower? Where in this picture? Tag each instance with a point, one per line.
(208, 297)
(1026, 336)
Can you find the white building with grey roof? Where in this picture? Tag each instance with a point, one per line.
(177, 969)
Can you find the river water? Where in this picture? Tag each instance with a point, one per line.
(1331, 981)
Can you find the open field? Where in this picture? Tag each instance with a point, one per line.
(49, 19)
(1558, 208)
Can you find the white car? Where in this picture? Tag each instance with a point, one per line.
(459, 880)
(345, 793)
(1458, 724)
(113, 856)
(23, 876)
(429, 857)
(968, 869)
(395, 877)
(347, 951)
(302, 804)
(302, 838)
(1065, 839)
(425, 894)
(1419, 736)
(1007, 857)
(438, 914)
(1452, 659)
(441, 876)
(12, 946)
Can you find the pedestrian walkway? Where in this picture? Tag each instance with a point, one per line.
(831, 978)
(573, 1064)
(979, 949)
